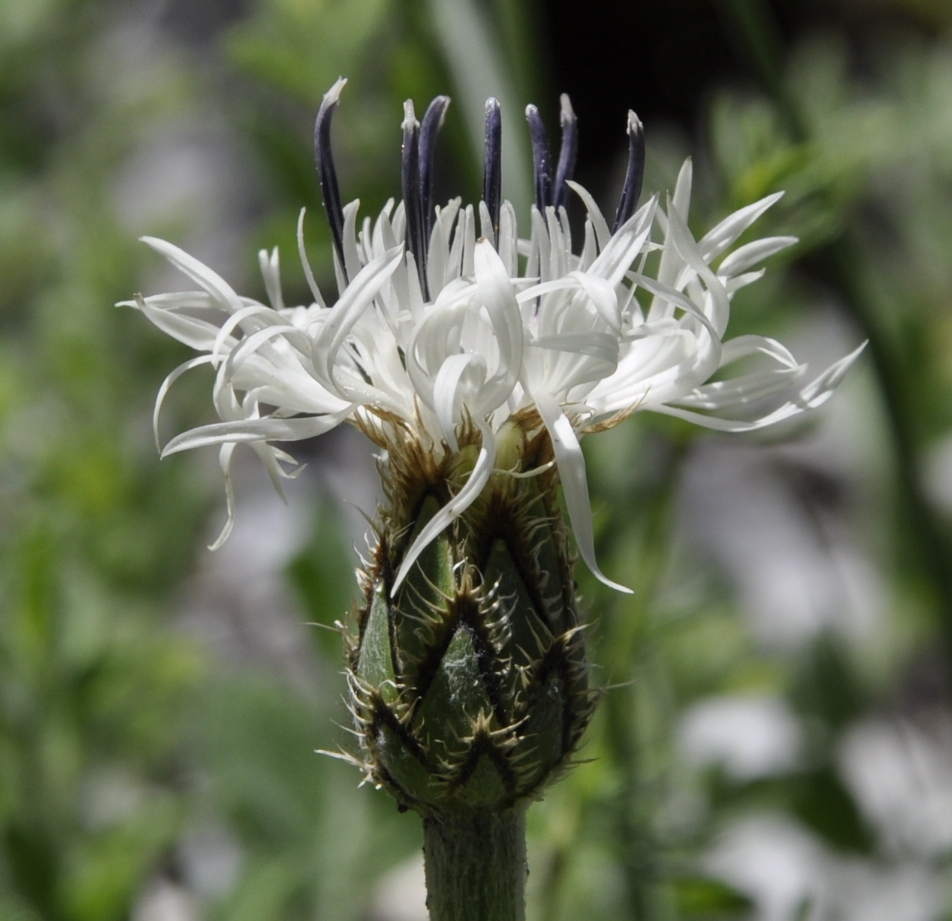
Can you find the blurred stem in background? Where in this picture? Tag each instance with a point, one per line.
(627, 651)
(840, 263)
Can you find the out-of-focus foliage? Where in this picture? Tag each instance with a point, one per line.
(91, 679)
(776, 732)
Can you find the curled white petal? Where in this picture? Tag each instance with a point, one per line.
(194, 332)
(166, 385)
(250, 430)
(455, 507)
(571, 464)
(212, 282)
(224, 461)
(344, 315)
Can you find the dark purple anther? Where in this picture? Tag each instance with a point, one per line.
(540, 159)
(429, 129)
(635, 175)
(325, 169)
(412, 199)
(567, 152)
(492, 163)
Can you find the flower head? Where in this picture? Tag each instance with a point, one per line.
(448, 336)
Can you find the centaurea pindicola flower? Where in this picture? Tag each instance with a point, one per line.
(475, 361)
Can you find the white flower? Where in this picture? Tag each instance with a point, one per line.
(466, 331)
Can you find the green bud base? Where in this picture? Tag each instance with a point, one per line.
(468, 679)
(476, 866)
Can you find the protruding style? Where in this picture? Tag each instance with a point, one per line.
(540, 159)
(412, 196)
(492, 163)
(635, 175)
(567, 153)
(429, 129)
(330, 191)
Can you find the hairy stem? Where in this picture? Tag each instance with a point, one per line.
(476, 866)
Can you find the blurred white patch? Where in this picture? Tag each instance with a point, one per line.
(178, 173)
(902, 780)
(748, 736)
(781, 867)
(239, 603)
(795, 575)
(865, 892)
(401, 894)
(108, 796)
(798, 567)
(211, 859)
(937, 477)
(774, 862)
(164, 901)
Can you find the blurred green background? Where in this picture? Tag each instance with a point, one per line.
(776, 739)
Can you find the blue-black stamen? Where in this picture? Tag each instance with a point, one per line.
(412, 201)
(540, 159)
(567, 152)
(429, 129)
(330, 191)
(492, 163)
(635, 175)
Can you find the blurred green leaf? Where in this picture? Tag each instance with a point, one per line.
(707, 899)
(110, 869)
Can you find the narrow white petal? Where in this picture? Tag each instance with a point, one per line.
(724, 234)
(821, 389)
(193, 332)
(212, 282)
(626, 245)
(813, 395)
(357, 297)
(164, 389)
(718, 424)
(751, 254)
(499, 299)
(447, 399)
(601, 293)
(270, 266)
(599, 224)
(675, 298)
(248, 430)
(741, 281)
(744, 346)
(455, 507)
(224, 460)
(508, 238)
(224, 341)
(691, 254)
(305, 263)
(682, 188)
(736, 393)
(351, 256)
(571, 464)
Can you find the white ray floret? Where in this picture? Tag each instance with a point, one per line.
(436, 330)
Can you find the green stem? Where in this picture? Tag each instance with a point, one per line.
(476, 866)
